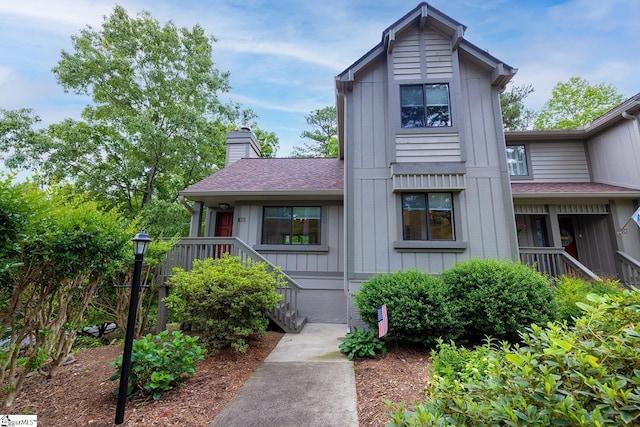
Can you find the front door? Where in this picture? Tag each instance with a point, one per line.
(568, 235)
(224, 228)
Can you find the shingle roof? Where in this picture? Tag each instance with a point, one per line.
(577, 189)
(274, 175)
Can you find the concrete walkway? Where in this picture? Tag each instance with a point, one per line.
(305, 381)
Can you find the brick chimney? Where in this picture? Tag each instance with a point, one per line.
(241, 144)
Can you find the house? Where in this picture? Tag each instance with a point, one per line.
(423, 180)
(575, 190)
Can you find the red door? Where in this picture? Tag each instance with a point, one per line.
(568, 235)
(224, 228)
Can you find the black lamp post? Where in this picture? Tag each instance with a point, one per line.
(140, 243)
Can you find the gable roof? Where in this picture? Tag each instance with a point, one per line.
(319, 177)
(429, 15)
(424, 14)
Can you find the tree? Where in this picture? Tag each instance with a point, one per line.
(268, 141)
(61, 249)
(575, 103)
(515, 116)
(155, 125)
(323, 133)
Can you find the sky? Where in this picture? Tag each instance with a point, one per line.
(283, 55)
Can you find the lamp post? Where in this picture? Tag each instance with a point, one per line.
(140, 243)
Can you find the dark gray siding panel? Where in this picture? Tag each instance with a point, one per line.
(615, 155)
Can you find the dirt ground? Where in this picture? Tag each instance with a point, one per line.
(82, 395)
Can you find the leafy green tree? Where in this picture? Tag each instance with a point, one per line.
(323, 135)
(515, 116)
(575, 103)
(269, 142)
(155, 124)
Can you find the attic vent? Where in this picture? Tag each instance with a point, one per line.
(245, 129)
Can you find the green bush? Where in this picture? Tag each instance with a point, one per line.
(228, 299)
(582, 375)
(570, 290)
(459, 363)
(362, 343)
(498, 298)
(159, 362)
(416, 305)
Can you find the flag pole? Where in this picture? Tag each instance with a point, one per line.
(624, 227)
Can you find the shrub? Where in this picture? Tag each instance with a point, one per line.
(362, 343)
(498, 298)
(585, 374)
(416, 304)
(159, 362)
(570, 290)
(459, 363)
(227, 298)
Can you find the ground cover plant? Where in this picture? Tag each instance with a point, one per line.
(159, 362)
(362, 343)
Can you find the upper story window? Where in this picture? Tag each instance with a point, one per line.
(427, 216)
(287, 225)
(517, 160)
(426, 105)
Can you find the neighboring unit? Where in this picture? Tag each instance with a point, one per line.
(575, 190)
(423, 181)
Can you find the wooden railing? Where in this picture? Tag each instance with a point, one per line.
(555, 262)
(187, 250)
(629, 270)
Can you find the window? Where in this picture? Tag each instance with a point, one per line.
(425, 105)
(291, 225)
(517, 160)
(427, 216)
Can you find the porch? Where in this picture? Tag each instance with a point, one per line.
(556, 262)
(553, 262)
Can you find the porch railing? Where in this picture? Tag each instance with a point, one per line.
(629, 270)
(187, 250)
(555, 262)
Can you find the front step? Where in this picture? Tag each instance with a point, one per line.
(287, 319)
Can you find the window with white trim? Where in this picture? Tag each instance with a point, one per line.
(425, 105)
(427, 216)
(291, 225)
(517, 160)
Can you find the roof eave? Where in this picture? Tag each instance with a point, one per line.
(260, 193)
(425, 14)
(546, 135)
(574, 195)
(501, 73)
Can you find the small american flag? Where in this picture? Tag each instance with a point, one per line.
(383, 321)
(636, 217)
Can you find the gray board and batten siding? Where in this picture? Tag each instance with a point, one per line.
(615, 155)
(382, 159)
(318, 270)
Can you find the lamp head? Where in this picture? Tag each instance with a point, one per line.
(140, 243)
